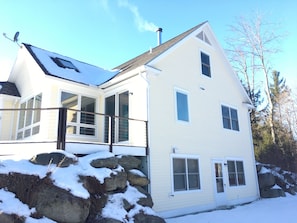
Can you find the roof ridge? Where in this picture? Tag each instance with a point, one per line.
(149, 55)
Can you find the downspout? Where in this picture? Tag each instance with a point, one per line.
(143, 75)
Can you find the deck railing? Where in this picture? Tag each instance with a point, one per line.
(62, 125)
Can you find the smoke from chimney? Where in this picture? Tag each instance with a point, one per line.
(159, 35)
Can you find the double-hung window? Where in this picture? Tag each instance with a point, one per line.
(80, 114)
(205, 64)
(186, 174)
(236, 173)
(182, 109)
(230, 118)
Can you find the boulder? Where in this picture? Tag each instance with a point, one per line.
(59, 204)
(129, 162)
(145, 218)
(11, 218)
(111, 163)
(22, 185)
(266, 180)
(116, 182)
(137, 178)
(272, 192)
(57, 158)
(145, 201)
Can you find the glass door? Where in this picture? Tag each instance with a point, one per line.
(219, 182)
(117, 106)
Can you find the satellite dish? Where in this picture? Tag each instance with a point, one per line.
(16, 36)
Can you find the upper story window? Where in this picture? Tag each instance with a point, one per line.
(80, 117)
(205, 64)
(29, 117)
(236, 173)
(182, 109)
(186, 175)
(230, 118)
(64, 63)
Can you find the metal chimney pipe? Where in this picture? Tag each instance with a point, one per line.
(159, 35)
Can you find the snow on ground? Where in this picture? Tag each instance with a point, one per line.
(273, 210)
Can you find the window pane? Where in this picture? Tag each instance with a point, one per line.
(239, 165)
(124, 115)
(226, 117)
(226, 123)
(194, 182)
(29, 112)
(87, 131)
(232, 179)
(71, 129)
(179, 165)
(88, 105)
(22, 116)
(231, 166)
(180, 182)
(182, 106)
(193, 166)
(241, 179)
(225, 112)
(38, 100)
(69, 100)
(234, 118)
(220, 185)
(35, 130)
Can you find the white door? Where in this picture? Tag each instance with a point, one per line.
(219, 182)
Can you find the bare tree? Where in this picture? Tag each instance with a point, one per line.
(251, 50)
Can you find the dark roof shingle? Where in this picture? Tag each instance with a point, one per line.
(9, 88)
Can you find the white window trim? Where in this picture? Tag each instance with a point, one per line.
(221, 115)
(81, 124)
(244, 169)
(180, 90)
(184, 156)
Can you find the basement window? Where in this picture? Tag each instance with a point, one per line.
(64, 63)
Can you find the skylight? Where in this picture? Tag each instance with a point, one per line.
(64, 63)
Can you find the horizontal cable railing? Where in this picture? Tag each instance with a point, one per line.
(62, 125)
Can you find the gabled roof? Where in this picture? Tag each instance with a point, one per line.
(68, 68)
(149, 55)
(9, 88)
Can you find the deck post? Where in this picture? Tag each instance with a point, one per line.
(110, 128)
(62, 122)
(146, 139)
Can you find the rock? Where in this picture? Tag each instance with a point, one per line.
(110, 163)
(266, 180)
(145, 201)
(135, 177)
(129, 162)
(60, 159)
(22, 185)
(144, 218)
(116, 182)
(11, 218)
(60, 205)
(272, 192)
(289, 178)
(107, 220)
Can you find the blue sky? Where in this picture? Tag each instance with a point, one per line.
(107, 33)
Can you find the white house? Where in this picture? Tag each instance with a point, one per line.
(179, 107)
